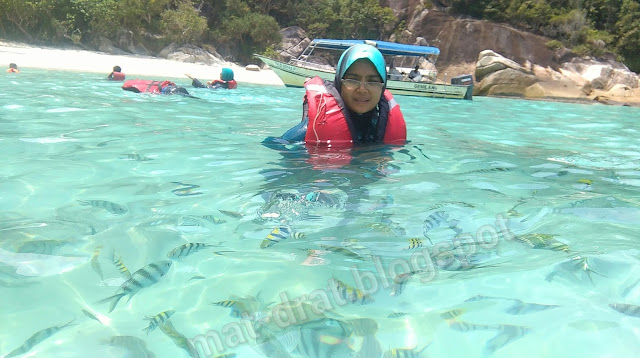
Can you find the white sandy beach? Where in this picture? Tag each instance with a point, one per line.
(134, 66)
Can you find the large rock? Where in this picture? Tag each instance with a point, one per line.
(490, 62)
(555, 89)
(126, 40)
(294, 41)
(460, 40)
(602, 75)
(105, 45)
(507, 82)
(190, 54)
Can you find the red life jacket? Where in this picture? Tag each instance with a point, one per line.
(146, 86)
(328, 124)
(225, 84)
(117, 76)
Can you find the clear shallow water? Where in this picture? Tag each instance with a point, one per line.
(87, 166)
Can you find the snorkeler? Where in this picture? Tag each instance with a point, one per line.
(226, 81)
(157, 87)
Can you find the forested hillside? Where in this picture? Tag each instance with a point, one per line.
(588, 27)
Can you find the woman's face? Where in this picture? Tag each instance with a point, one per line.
(365, 96)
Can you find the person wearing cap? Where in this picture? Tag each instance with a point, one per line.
(352, 110)
(226, 81)
(116, 74)
(13, 68)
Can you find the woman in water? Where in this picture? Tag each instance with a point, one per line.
(354, 109)
(226, 81)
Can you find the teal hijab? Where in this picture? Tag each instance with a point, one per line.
(226, 74)
(355, 53)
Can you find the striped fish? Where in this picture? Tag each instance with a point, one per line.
(144, 277)
(404, 352)
(399, 282)
(178, 338)
(626, 291)
(276, 235)
(157, 320)
(542, 241)
(518, 306)
(91, 315)
(351, 294)
(414, 243)
(629, 310)
(238, 309)
(121, 267)
(190, 248)
(95, 264)
(44, 247)
(342, 250)
(438, 219)
(397, 315)
(463, 326)
(452, 314)
(324, 338)
(136, 157)
(36, 338)
(187, 190)
(507, 334)
(113, 208)
(133, 346)
(233, 214)
(363, 338)
(214, 219)
(450, 203)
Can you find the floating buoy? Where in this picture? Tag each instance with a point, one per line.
(252, 68)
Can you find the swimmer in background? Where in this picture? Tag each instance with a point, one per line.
(116, 74)
(226, 81)
(13, 68)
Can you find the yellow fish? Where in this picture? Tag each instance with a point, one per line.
(414, 243)
(121, 267)
(352, 294)
(158, 319)
(95, 264)
(278, 234)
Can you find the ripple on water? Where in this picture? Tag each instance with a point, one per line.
(64, 110)
(12, 106)
(528, 186)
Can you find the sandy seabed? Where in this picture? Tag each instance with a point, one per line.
(133, 66)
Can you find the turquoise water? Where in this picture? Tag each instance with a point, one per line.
(525, 218)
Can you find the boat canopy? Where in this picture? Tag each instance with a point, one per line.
(387, 48)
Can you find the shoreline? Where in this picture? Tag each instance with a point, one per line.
(133, 66)
(154, 68)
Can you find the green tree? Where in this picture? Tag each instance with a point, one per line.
(347, 19)
(245, 31)
(628, 30)
(184, 25)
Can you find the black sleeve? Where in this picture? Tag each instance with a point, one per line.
(196, 83)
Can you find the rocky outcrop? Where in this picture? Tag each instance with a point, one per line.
(579, 80)
(294, 41)
(190, 54)
(519, 64)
